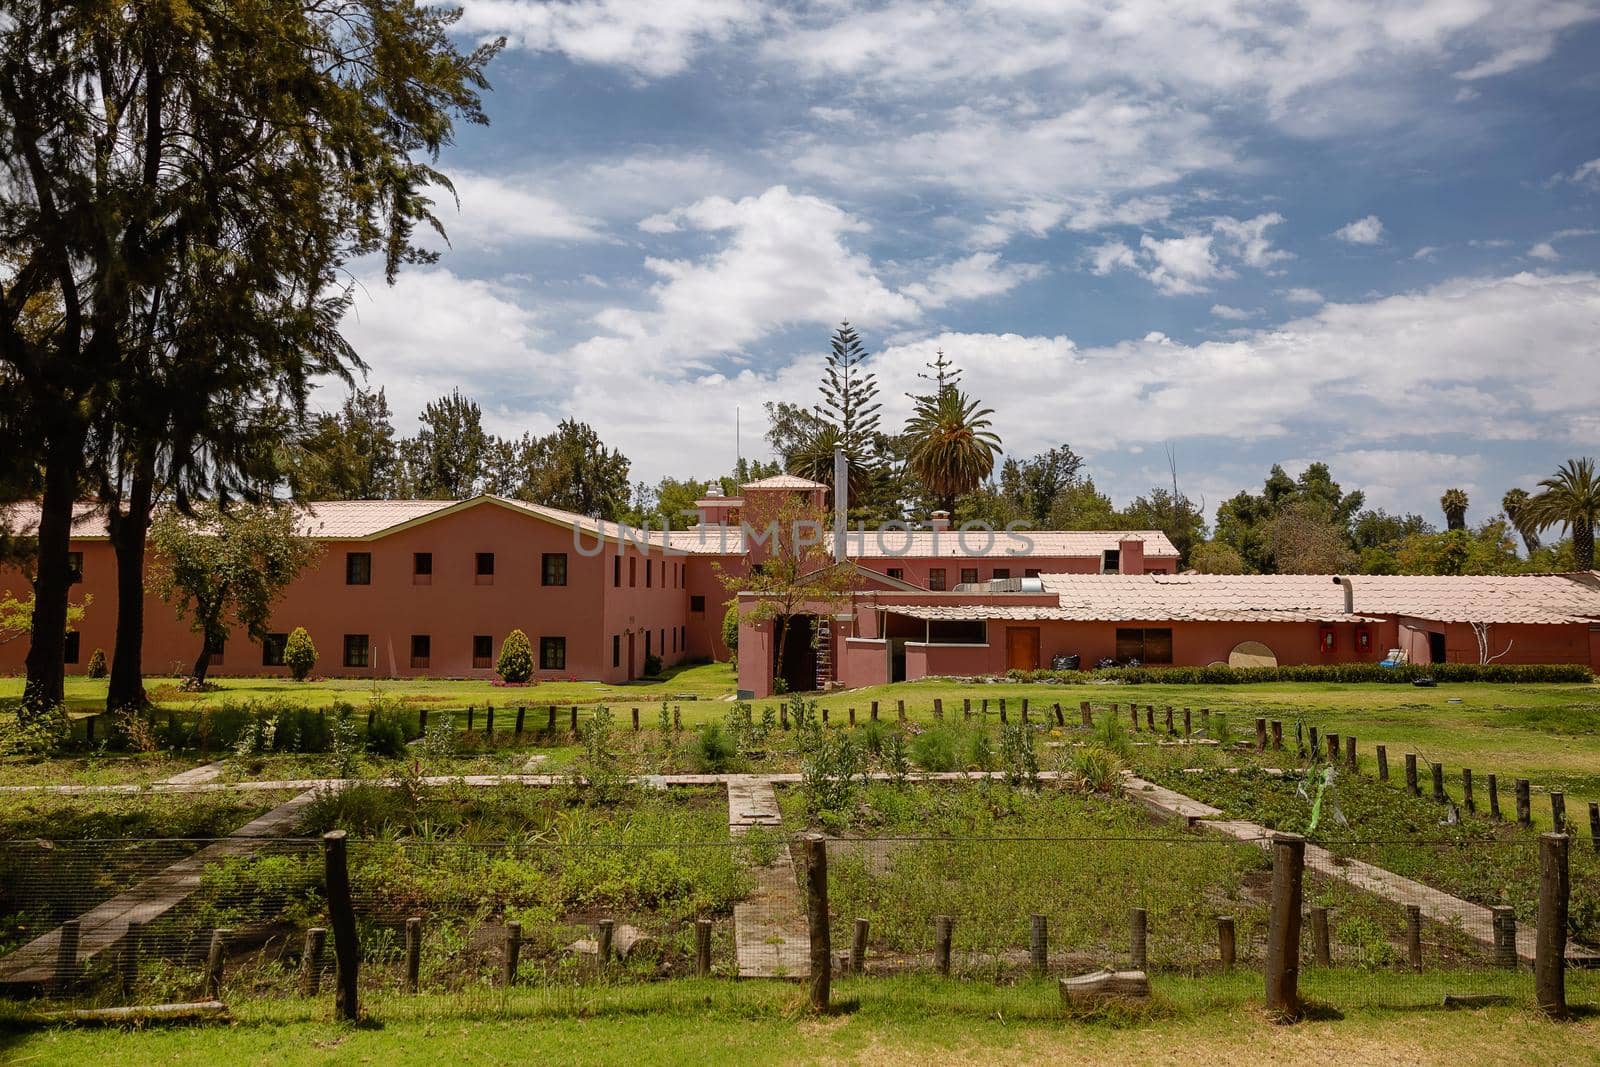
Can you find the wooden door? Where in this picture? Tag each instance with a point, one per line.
(1022, 648)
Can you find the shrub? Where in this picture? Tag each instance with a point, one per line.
(652, 666)
(730, 630)
(386, 736)
(935, 749)
(33, 734)
(1571, 673)
(97, 663)
(1017, 755)
(1097, 770)
(299, 654)
(895, 758)
(516, 658)
(980, 754)
(715, 748)
(873, 735)
(828, 772)
(1111, 735)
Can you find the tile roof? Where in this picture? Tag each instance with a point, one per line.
(784, 481)
(943, 544)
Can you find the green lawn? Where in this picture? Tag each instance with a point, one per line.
(1372, 1019)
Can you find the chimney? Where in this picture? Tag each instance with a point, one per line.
(939, 520)
(1130, 555)
(1349, 594)
(841, 502)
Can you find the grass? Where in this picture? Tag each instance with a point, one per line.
(1214, 1020)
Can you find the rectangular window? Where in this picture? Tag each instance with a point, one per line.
(647, 569)
(1111, 561)
(633, 571)
(1031, 572)
(1002, 572)
(616, 572)
(697, 605)
(483, 568)
(647, 636)
(1148, 645)
(552, 653)
(422, 568)
(75, 566)
(217, 649)
(969, 575)
(482, 651)
(356, 652)
(674, 639)
(272, 649)
(897, 573)
(358, 568)
(553, 570)
(421, 651)
(936, 579)
(616, 650)
(73, 647)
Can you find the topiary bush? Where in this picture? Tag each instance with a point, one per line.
(299, 654)
(515, 664)
(97, 663)
(652, 666)
(730, 630)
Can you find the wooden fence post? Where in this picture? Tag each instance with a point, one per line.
(783, 716)
(1594, 824)
(1505, 936)
(1138, 938)
(853, 718)
(1171, 730)
(1549, 967)
(1024, 711)
(1188, 723)
(702, 947)
(1003, 719)
(1383, 763)
(522, 718)
(1333, 750)
(422, 721)
(1039, 943)
(635, 720)
(1086, 714)
(488, 722)
(943, 930)
(472, 712)
(1150, 717)
(66, 972)
(1466, 791)
(1414, 936)
(1494, 797)
(605, 935)
(1524, 803)
(1060, 719)
(816, 853)
(1261, 735)
(216, 957)
(1558, 811)
(511, 955)
(573, 717)
(1314, 749)
(900, 709)
(1438, 782)
(938, 710)
(858, 947)
(552, 726)
(1411, 775)
(1283, 926)
(311, 961)
(874, 711)
(1133, 713)
(1350, 754)
(413, 953)
(1277, 735)
(1319, 937)
(128, 959)
(966, 709)
(342, 917)
(1227, 946)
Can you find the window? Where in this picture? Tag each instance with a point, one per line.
(616, 650)
(73, 647)
(1002, 572)
(482, 651)
(616, 572)
(422, 568)
(483, 568)
(356, 653)
(421, 650)
(647, 636)
(674, 639)
(358, 568)
(552, 653)
(936, 579)
(648, 567)
(969, 575)
(1111, 561)
(633, 571)
(272, 649)
(1031, 572)
(697, 605)
(75, 567)
(897, 573)
(553, 570)
(1148, 645)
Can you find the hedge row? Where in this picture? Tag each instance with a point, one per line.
(1317, 672)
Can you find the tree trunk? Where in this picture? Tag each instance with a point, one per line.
(46, 677)
(203, 662)
(1583, 546)
(129, 533)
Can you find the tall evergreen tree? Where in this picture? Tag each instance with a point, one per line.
(449, 457)
(350, 454)
(850, 393)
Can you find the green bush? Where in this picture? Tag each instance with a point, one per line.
(730, 629)
(715, 748)
(97, 663)
(652, 666)
(935, 749)
(299, 654)
(516, 658)
(1571, 673)
(386, 736)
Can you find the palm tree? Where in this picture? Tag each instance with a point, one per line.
(1515, 505)
(952, 445)
(1571, 498)
(1454, 503)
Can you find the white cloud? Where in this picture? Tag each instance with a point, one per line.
(979, 275)
(1188, 263)
(1247, 239)
(1425, 253)
(648, 39)
(1303, 296)
(497, 211)
(1225, 311)
(1396, 479)
(1363, 231)
(1584, 174)
(1544, 250)
(835, 114)
(1113, 255)
(1180, 265)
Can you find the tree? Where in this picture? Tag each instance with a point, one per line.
(1174, 514)
(299, 654)
(1490, 549)
(226, 568)
(569, 468)
(449, 457)
(849, 392)
(16, 616)
(1082, 507)
(350, 454)
(184, 184)
(515, 664)
(1304, 540)
(1242, 520)
(1214, 557)
(952, 447)
(1454, 504)
(1033, 485)
(1515, 505)
(1570, 498)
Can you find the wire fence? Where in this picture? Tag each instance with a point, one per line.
(98, 923)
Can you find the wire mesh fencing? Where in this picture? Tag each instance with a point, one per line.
(99, 923)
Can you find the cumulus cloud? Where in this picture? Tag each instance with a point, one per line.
(1363, 231)
(648, 39)
(1233, 314)
(979, 275)
(1189, 263)
(496, 211)
(1544, 250)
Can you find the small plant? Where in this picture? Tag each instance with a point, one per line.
(652, 666)
(829, 771)
(895, 758)
(439, 743)
(386, 737)
(598, 763)
(516, 658)
(345, 742)
(935, 750)
(749, 734)
(980, 753)
(715, 748)
(802, 712)
(1018, 756)
(33, 734)
(138, 731)
(97, 663)
(1111, 735)
(1096, 769)
(872, 736)
(299, 654)
(259, 736)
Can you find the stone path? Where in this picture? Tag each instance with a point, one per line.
(104, 926)
(209, 772)
(769, 928)
(1474, 920)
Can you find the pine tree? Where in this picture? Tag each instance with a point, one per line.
(850, 393)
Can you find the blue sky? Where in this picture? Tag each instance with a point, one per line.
(1361, 232)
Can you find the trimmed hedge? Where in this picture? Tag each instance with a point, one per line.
(1316, 672)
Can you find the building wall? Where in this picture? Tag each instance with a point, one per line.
(914, 569)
